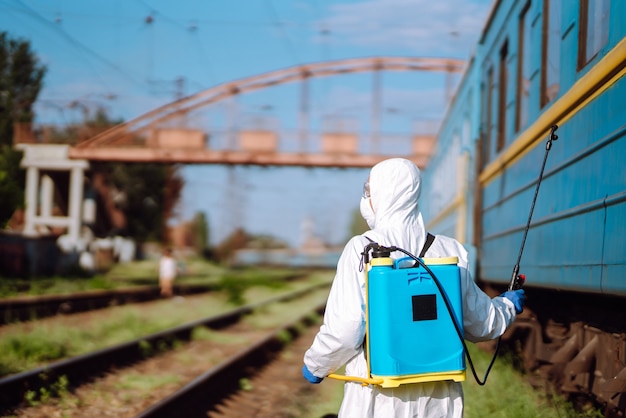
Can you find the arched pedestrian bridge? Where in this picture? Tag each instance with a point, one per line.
(166, 134)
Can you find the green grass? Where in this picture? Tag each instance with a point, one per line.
(23, 348)
(507, 394)
(121, 275)
(194, 271)
(240, 284)
(27, 345)
(21, 351)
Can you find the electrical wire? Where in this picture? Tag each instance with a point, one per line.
(163, 15)
(77, 44)
(289, 45)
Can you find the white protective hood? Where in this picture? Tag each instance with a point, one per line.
(395, 190)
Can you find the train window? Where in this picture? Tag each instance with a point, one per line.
(550, 51)
(594, 29)
(485, 145)
(503, 82)
(523, 70)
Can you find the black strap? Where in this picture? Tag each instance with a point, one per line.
(429, 240)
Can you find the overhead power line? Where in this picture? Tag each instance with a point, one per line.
(288, 43)
(77, 44)
(191, 29)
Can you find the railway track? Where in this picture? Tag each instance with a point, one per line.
(260, 381)
(25, 308)
(15, 389)
(259, 376)
(29, 307)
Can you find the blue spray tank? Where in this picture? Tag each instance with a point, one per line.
(411, 335)
(414, 319)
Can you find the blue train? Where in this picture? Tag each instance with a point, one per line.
(541, 63)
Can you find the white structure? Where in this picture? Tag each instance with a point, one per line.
(39, 158)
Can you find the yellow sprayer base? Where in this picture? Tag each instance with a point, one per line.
(395, 381)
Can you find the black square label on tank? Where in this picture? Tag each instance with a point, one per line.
(424, 307)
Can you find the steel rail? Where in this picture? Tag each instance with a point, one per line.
(210, 389)
(80, 369)
(35, 307)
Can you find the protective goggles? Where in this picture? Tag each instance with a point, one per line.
(366, 189)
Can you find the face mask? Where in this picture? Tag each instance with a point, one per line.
(367, 212)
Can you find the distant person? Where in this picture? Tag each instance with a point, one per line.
(167, 272)
(390, 207)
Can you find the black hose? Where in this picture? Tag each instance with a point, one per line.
(456, 325)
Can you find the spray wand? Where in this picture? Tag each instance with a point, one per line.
(517, 280)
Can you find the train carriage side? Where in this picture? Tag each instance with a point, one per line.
(576, 236)
(541, 63)
(559, 62)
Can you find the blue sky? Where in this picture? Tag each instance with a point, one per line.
(129, 56)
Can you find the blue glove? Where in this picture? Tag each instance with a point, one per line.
(517, 297)
(310, 376)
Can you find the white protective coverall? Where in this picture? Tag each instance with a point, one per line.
(395, 189)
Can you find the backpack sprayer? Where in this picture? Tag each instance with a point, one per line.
(411, 340)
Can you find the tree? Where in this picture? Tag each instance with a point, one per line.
(21, 78)
(12, 183)
(146, 193)
(91, 125)
(151, 192)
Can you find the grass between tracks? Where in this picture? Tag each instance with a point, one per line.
(126, 392)
(24, 346)
(122, 275)
(193, 271)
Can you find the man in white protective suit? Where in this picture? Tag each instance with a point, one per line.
(390, 207)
